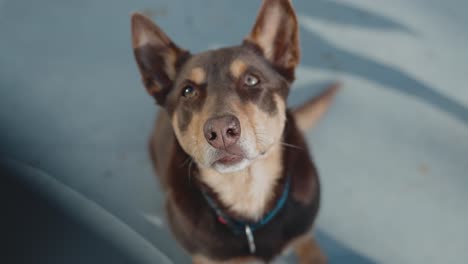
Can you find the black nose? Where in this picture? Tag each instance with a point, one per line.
(222, 132)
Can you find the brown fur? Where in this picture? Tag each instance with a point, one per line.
(195, 226)
(240, 260)
(308, 251)
(269, 149)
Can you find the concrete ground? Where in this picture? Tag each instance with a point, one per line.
(392, 152)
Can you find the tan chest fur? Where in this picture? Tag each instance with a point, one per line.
(249, 191)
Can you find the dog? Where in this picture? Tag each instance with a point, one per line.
(231, 158)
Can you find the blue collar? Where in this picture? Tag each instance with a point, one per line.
(238, 226)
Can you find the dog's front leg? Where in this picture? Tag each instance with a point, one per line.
(308, 251)
(198, 259)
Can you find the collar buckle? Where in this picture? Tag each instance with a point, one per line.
(250, 239)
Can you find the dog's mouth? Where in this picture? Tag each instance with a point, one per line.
(229, 156)
(227, 159)
(232, 161)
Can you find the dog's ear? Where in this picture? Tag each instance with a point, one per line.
(156, 55)
(276, 33)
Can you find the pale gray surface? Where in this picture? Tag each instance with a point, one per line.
(393, 151)
(46, 222)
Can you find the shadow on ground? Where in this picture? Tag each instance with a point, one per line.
(339, 253)
(346, 15)
(321, 54)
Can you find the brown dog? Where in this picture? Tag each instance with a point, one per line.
(239, 182)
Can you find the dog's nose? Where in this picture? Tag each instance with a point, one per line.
(222, 132)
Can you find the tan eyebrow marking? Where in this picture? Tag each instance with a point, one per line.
(197, 75)
(237, 68)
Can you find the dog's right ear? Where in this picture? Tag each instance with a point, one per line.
(156, 55)
(276, 34)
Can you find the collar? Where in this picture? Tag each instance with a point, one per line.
(238, 226)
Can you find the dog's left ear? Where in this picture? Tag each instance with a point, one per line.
(156, 55)
(276, 33)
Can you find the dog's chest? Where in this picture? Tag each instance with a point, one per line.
(248, 193)
(222, 242)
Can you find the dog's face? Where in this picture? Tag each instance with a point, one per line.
(227, 106)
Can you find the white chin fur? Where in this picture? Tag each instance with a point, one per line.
(244, 163)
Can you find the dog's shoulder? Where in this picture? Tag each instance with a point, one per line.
(298, 163)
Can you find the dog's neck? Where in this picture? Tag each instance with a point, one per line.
(247, 192)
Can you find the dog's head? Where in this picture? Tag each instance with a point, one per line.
(227, 106)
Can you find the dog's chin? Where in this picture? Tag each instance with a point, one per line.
(231, 166)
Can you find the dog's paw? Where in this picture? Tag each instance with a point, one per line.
(308, 251)
(313, 258)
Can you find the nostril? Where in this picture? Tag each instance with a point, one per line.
(222, 132)
(213, 136)
(231, 132)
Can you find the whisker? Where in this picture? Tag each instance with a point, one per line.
(190, 170)
(291, 146)
(185, 162)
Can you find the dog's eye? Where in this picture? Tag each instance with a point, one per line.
(251, 80)
(189, 91)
